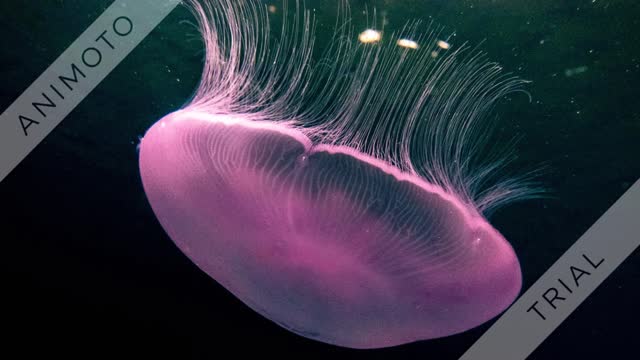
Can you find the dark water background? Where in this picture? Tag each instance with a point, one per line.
(88, 272)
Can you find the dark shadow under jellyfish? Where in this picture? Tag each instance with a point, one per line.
(344, 199)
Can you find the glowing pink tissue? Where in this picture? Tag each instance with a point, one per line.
(325, 241)
(345, 199)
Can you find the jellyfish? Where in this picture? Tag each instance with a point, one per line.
(346, 199)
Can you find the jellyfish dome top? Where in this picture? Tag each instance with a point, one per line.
(344, 199)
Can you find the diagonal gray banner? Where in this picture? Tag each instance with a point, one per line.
(75, 74)
(546, 304)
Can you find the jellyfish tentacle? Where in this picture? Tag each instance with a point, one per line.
(427, 115)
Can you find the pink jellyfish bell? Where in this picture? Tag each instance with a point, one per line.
(345, 199)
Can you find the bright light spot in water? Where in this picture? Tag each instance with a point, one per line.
(406, 43)
(369, 36)
(443, 45)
